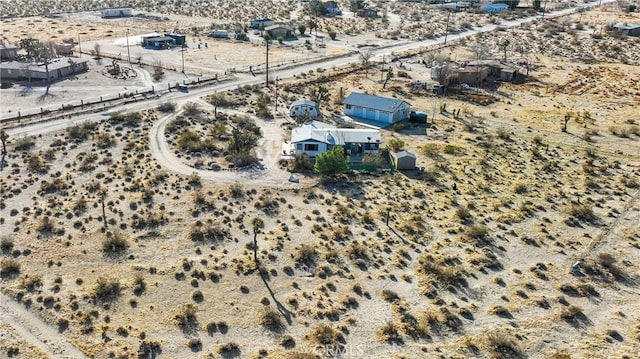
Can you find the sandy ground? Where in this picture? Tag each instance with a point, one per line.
(476, 270)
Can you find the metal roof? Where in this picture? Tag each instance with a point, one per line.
(7, 46)
(325, 133)
(625, 26)
(403, 154)
(54, 64)
(389, 104)
(304, 102)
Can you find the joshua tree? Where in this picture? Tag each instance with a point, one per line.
(319, 94)
(103, 196)
(3, 137)
(257, 224)
(567, 118)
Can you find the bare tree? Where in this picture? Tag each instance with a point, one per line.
(96, 50)
(481, 51)
(365, 56)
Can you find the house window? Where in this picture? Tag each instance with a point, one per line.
(348, 107)
(310, 147)
(299, 146)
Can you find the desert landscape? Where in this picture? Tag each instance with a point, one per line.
(172, 228)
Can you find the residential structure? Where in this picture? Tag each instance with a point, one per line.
(497, 69)
(260, 23)
(280, 30)
(495, 8)
(120, 12)
(58, 69)
(376, 108)
(304, 108)
(314, 137)
(8, 52)
(158, 42)
(219, 34)
(367, 12)
(627, 29)
(332, 7)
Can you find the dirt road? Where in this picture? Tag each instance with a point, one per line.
(35, 331)
(267, 174)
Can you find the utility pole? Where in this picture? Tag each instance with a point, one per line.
(79, 47)
(129, 51)
(182, 52)
(446, 31)
(267, 63)
(276, 88)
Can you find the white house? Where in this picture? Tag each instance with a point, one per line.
(376, 108)
(303, 108)
(314, 137)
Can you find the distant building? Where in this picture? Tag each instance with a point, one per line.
(260, 23)
(180, 39)
(276, 31)
(332, 7)
(627, 29)
(472, 75)
(219, 34)
(58, 69)
(158, 42)
(503, 71)
(303, 108)
(367, 12)
(495, 8)
(8, 52)
(120, 12)
(376, 108)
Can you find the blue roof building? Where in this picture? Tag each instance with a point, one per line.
(495, 8)
(376, 108)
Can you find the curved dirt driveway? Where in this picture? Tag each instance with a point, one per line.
(266, 174)
(35, 331)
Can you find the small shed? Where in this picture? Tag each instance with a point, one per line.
(404, 160)
(303, 108)
(8, 52)
(627, 29)
(260, 23)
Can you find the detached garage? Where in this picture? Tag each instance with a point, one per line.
(404, 160)
(376, 108)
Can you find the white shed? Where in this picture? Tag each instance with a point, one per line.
(302, 108)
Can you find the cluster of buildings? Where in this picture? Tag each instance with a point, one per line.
(314, 137)
(15, 67)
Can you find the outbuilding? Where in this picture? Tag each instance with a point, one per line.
(120, 12)
(627, 29)
(276, 31)
(8, 52)
(376, 108)
(404, 160)
(303, 108)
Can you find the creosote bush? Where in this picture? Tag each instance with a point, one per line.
(107, 290)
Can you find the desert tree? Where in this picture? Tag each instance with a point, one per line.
(332, 162)
(257, 225)
(158, 71)
(504, 46)
(31, 46)
(387, 78)
(319, 94)
(96, 50)
(366, 56)
(103, 197)
(4, 136)
(302, 28)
